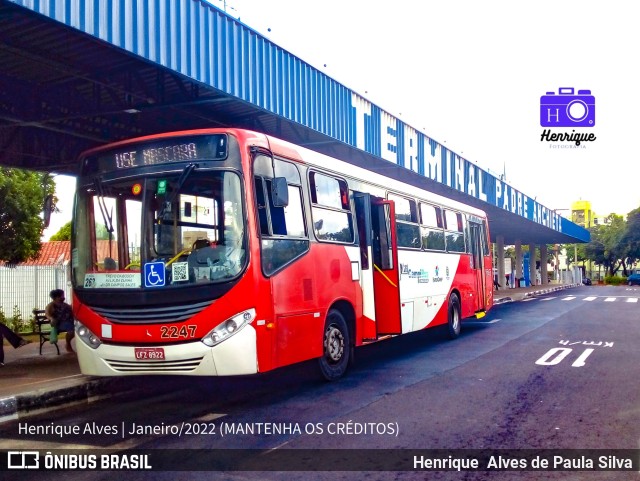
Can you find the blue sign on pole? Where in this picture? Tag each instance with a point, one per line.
(525, 268)
(154, 274)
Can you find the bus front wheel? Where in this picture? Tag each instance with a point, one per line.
(336, 346)
(453, 317)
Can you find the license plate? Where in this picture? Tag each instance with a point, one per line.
(149, 353)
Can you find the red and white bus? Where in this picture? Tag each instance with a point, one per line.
(229, 252)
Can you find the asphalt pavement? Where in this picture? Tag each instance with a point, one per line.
(32, 383)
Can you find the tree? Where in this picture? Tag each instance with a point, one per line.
(580, 249)
(64, 234)
(570, 250)
(102, 233)
(608, 247)
(594, 250)
(631, 237)
(614, 241)
(22, 199)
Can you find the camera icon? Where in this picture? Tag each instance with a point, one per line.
(567, 109)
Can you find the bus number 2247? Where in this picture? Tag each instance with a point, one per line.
(174, 332)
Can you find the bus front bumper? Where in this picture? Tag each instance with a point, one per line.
(235, 356)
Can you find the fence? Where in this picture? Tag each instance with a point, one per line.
(24, 288)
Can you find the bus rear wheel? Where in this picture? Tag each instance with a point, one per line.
(336, 346)
(453, 317)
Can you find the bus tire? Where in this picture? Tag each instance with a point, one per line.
(336, 346)
(453, 317)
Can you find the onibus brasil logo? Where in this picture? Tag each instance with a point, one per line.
(567, 109)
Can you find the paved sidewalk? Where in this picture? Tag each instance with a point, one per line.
(26, 370)
(31, 383)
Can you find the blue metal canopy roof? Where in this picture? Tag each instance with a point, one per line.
(79, 73)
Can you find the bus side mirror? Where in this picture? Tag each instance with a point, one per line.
(279, 192)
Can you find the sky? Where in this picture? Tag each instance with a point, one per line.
(470, 75)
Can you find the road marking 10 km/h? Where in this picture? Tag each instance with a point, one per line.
(556, 355)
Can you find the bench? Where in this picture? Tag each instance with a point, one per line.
(43, 328)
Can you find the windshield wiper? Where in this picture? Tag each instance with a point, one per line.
(174, 194)
(106, 216)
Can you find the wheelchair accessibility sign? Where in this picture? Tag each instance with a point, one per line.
(154, 274)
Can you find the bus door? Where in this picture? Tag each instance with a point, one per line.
(477, 264)
(386, 273)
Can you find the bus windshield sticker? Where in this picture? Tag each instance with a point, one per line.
(180, 271)
(154, 274)
(111, 280)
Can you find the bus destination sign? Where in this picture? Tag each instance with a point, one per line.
(158, 155)
(183, 149)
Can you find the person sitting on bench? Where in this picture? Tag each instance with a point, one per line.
(61, 316)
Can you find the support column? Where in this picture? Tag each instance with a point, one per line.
(532, 264)
(543, 264)
(519, 260)
(500, 260)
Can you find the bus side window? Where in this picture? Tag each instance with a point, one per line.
(381, 241)
(284, 221)
(278, 221)
(262, 206)
(407, 228)
(362, 203)
(454, 231)
(283, 231)
(432, 233)
(485, 238)
(330, 209)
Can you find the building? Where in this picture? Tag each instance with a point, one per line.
(583, 215)
(52, 253)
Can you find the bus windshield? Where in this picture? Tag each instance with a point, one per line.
(155, 231)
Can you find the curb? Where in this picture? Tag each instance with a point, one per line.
(502, 300)
(539, 292)
(548, 290)
(42, 400)
(82, 391)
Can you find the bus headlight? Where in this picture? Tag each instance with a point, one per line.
(88, 337)
(228, 328)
